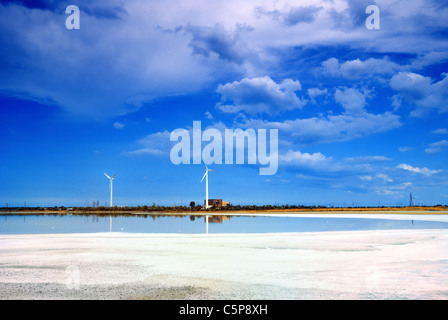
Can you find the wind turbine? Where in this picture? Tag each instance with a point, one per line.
(111, 181)
(206, 184)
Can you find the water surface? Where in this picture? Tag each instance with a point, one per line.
(53, 224)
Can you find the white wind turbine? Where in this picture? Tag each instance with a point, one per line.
(111, 181)
(206, 184)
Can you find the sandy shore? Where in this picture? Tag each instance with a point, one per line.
(392, 264)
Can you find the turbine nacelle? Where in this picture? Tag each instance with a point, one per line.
(111, 178)
(206, 172)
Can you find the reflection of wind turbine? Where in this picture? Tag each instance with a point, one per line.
(206, 185)
(111, 180)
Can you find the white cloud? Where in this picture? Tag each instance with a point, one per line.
(118, 125)
(358, 174)
(368, 158)
(355, 69)
(351, 99)
(381, 176)
(79, 71)
(421, 91)
(297, 158)
(129, 52)
(292, 16)
(216, 39)
(404, 26)
(384, 177)
(260, 95)
(440, 131)
(320, 165)
(393, 190)
(155, 144)
(436, 147)
(405, 149)
(331, 128)
(208, 115)
(425, 171)
(313, 93)
(429, 59)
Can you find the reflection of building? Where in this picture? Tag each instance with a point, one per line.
(411, 200)
(216, 219)
(216, 202)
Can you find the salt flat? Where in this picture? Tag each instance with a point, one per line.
(391, 264)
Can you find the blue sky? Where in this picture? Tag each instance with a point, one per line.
(361, 114)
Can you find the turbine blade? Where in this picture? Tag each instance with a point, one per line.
(107, 176)
(204, 176)
(114, 174)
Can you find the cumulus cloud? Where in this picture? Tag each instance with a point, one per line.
(424, 171)
(207, 40)
(299, 159)
(314, 93)
(155, 144)
(421, 92)
(355, 69)
(352, 99)
(318, 164)
(260, 95)
(327, 172)
(329, 129)
(89, 71)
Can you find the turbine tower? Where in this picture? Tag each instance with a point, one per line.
(111, 181)
(206, 185)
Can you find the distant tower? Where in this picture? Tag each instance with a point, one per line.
(411, 200)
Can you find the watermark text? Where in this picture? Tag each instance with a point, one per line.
(188, 148)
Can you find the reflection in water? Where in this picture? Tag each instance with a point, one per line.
(216, 219)
(194, 224)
